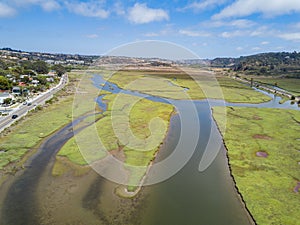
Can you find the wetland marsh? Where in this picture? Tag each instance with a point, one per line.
(65, 182)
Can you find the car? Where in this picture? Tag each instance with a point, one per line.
(29, 103)
(25, 103)
(14, 116)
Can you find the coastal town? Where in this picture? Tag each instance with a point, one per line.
(25, 75)
(28, 82)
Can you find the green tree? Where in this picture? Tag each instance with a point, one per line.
(7, 101)
(27, 65)
(25, 79)
(262, 70)
(29, 72)
(59, 69)
(41, 67)
(18, 70)
(3, 72)
(42, 80)
(3, 65)
(4, 83)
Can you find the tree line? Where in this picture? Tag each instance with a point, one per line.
(33, 68)
(274, 63)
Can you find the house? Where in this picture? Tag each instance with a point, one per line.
(35, 82)
(50, 79)
(23, 76)
(22, 84)
(51, 74)
(4, 96)
(50, 61)
(26, 92)
(16, 91)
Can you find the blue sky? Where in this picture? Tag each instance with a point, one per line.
(210, 28)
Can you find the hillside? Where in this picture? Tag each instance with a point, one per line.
(280, 64)
(283, 64)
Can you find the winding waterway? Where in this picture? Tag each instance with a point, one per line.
(35, 197)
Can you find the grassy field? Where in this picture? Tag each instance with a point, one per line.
(130, 130)
(181, 86)
(136, 148)
(289, 84)
(264, 154)
(27, 133)
(234, 91)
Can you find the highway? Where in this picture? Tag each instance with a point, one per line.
(22, 110)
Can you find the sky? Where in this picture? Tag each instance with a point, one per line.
(209, 28)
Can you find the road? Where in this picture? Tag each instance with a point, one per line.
(22, 110)
(276, 91)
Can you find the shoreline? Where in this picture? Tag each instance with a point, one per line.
(122, 190)
(239, 194)
(20, 164)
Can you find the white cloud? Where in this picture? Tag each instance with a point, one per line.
(194, 33)
(242, 8)
(262, 31)
(241, 23)
(119, 9)
(6, 11)
(25, 2)
(89, 9)
(13, 6)
(47, 5)
(290, 36)
(168, 30)
(50, 5)
(265, 43)
(92, 36)
(239, 48)
(256, 48)
(297, 25)
(140, 14)
(232, 34)
(151, 34)
(203, 5)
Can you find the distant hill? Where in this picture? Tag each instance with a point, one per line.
(11, 55)
(284, 64)
(280, 64)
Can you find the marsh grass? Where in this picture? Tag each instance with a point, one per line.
(64, 166)
(266, 183)
(126, 131)
(24, 136)
(180, 85)
(290, 84)
(31, 130)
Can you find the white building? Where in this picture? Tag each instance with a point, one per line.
(4, 96)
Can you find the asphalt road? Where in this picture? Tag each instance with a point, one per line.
(22, 110)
